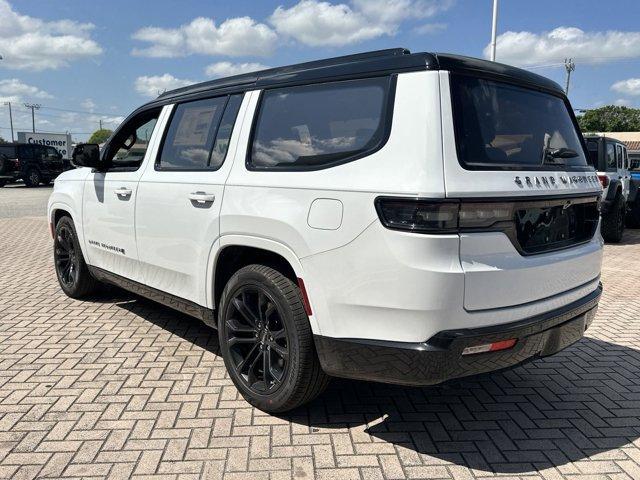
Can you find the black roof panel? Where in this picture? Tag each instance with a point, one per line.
(359, 65)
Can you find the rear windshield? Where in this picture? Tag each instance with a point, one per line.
(502, 126)
(8, 150)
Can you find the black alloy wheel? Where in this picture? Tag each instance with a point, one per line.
(257, 339)
(33, 178)
(73, 274)
(266, 340)
(65, 256)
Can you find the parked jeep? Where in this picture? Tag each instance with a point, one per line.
(610, 159)
(33, 164)
(388, 216)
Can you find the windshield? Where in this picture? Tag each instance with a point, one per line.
(502, 126)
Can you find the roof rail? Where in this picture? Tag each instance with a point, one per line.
(252, 77)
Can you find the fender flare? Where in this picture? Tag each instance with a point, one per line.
(615, 186)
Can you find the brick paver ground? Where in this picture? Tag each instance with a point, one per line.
(121, 387)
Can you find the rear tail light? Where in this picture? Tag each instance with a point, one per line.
(604, 180)
(444, 216)
(490, 347)
(418, 215)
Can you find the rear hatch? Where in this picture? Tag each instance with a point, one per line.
(529, 200)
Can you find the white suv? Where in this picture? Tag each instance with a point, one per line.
(388, 216)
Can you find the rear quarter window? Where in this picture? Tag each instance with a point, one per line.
(318, 126)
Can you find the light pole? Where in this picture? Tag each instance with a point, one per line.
(569, 67)
(33, 107)
(10, 119)
(494, 28)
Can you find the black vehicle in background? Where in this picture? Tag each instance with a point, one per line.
(33, 164)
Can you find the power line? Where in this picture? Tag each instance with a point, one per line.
(83, 111)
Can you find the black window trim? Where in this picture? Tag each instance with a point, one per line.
(156, 164)
(387, 114)
(515, 167)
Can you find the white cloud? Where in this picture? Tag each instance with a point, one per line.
(430, 28)
(88, 104)
(233, 37)
(227, 69)
(320, 23)
(34, 44)
(622, 102)
(527, 48)
(630, 86)
(153, 86)
(13, 90)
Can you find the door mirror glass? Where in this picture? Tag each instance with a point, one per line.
(86, 155)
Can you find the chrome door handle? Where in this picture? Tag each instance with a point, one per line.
(202, 197)
(123, 192)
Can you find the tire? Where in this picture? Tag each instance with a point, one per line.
(72, 272)
(633, 215)
(32, 178)
(613, 222)
(263, 327)
(2, 183)
(3, 163)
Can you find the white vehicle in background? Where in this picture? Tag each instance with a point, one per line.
(619, 200)
(387, 216)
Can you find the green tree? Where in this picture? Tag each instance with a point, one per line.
(2, 140)
(100, 136)
(610, 118)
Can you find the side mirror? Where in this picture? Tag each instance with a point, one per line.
(86, 155)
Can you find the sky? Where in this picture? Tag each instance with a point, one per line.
(86, 62)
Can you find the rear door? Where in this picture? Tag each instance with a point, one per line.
(180, 195)
(515, 154)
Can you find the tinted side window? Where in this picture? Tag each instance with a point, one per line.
(126, 150)
(25, 151)
(316, 126)
(225, 130)
(619, 156)
(191, 134)
(611, 156)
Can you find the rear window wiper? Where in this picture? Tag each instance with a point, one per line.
(552, 155)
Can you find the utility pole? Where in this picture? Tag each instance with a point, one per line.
(33, 107)
(494, 29)
(10, 121)
(100, 124)
(569, 66)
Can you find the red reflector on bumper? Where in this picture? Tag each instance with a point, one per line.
(490, 347)
(305, 297)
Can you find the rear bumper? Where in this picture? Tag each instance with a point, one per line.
(440, 358)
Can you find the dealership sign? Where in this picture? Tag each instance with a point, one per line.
(59, 141)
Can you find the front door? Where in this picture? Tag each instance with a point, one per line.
(180, 195)
(109, 198)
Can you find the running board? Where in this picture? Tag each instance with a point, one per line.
(177, 303)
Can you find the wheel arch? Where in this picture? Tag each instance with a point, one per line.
(236, 251)
(58, 209)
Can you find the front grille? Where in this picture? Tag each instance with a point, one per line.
(550, 225)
